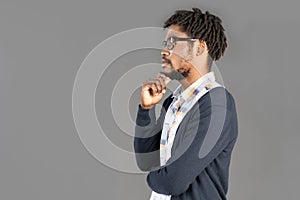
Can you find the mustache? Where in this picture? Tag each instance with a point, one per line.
(167, 60)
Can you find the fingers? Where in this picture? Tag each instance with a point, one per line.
(154, 88)
(157, 85)
(165, 79)
(162, 82)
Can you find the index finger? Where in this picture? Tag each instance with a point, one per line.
(164, 78)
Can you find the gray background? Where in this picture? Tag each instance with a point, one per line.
(43, 43)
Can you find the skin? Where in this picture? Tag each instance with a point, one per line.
(190, 62)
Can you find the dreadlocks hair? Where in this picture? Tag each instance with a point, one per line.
(203, 26)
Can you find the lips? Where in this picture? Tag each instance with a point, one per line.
(165, 64)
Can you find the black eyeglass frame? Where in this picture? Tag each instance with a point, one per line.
(171, 41)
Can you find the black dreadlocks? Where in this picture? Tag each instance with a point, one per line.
(203, 26)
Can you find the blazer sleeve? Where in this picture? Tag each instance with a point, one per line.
(147, 136)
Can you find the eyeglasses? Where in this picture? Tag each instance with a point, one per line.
(171, 41)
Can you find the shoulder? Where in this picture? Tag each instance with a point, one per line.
(218, 96)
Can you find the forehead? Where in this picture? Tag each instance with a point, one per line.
(174, 30)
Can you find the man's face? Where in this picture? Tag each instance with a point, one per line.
(176, 62)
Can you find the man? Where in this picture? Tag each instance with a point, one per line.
(188, 148)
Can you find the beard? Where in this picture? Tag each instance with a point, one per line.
(178, 74)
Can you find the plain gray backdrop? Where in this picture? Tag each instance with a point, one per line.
(42, 45)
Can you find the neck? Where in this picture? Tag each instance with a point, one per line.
(197, 70)
(194, 75)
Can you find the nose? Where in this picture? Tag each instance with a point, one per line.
(165, 53)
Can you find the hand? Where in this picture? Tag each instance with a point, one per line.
(153, 90)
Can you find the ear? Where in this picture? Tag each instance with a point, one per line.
(201, 47)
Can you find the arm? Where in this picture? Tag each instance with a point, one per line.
(196, 150)
(147, 136)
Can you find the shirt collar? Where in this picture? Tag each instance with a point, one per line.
(177, 92)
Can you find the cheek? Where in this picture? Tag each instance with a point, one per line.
(176, 60)
(181, 50)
